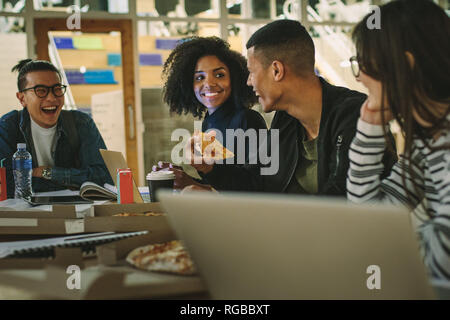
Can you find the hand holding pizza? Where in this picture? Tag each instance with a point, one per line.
(182, 179)
(194, 152)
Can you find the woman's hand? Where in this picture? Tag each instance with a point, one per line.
(182, 179)
(371, 113)
(195, 157)
(166, 166)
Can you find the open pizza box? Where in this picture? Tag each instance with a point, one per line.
(43, 224)
(65, 220)
(105, 218)
(98, 279)
(111, 253)
(104, 275)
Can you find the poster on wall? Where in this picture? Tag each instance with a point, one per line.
(108, 115)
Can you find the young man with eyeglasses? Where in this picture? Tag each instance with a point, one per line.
(64, 144)
(316, 120)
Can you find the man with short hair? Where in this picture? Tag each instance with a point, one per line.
(316, 120)
(64, 144)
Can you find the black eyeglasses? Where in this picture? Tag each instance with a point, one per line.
(354, 63)
(42, 91)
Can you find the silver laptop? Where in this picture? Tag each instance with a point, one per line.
(253, 246)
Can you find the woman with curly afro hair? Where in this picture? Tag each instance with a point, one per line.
(204, 77)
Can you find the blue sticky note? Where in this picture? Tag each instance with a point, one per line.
(166, 44)
(114, 59)
(99, 77)
(150, 59)
(63, 43)
(75, 77)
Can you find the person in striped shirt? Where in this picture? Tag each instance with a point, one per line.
(405, 65)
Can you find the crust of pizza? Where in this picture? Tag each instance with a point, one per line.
(169, 257)
(136, 214)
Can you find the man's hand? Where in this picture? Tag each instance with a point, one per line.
(372, 113)
(37, 172)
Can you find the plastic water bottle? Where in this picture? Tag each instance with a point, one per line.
(22, 170)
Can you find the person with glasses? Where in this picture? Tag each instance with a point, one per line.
(405, 66)
(316, 120)
(64, 144)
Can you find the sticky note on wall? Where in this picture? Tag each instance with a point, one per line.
(99, 77)
(75, 77)
(63, 43)
(166, 44)
(150, 59)
(114, 59)
(88, 43)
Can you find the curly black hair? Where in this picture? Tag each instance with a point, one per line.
(178, 73)
(28, 65)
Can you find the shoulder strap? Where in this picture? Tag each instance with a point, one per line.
(68, 122)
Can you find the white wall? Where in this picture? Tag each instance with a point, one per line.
(13, 49)
(108, 115)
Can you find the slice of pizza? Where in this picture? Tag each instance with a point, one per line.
(134, 214)
(210, 147)
(169, 257)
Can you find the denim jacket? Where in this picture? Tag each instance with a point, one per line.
(65, 173)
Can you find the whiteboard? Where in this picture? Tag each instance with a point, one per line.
(108, 114)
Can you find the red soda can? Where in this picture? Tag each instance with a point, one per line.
(124, 186)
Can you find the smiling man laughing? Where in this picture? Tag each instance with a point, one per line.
(316, 120)
(64, 144)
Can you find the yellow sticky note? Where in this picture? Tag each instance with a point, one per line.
(88, 43)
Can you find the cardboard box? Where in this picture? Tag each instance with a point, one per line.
(97, 280)
(27, 225)
(64, 219)
(100, 282)
(104, 219)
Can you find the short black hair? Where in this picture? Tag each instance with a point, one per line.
(28, 65)
(287, 41)
(179, 68)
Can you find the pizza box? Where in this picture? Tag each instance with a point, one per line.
(104, 220)
(58, 212)
(63, 219)
(100, 278)
(102, 282)
(110, 253)
(109, 209)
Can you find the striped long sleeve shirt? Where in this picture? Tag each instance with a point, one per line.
(431, 172)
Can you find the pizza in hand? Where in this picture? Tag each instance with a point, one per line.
(209, 147)
(169, 257)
